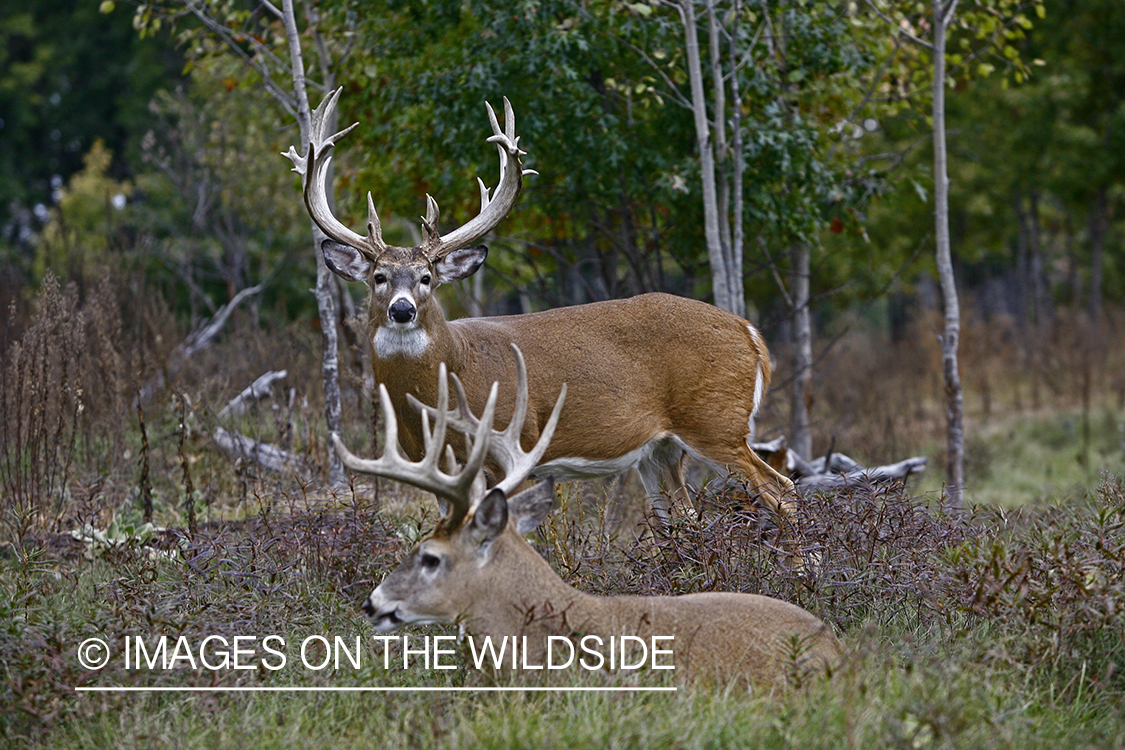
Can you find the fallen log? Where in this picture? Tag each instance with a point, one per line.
(833, 470)
(263, 454)
(256, 391)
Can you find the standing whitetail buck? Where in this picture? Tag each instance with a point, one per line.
(475, 568)
(650, 377)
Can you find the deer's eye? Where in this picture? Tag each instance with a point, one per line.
(426, 280)
(380, 278)
(429, 562)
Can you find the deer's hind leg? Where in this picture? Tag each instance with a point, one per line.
(730, 449)
(665, 461)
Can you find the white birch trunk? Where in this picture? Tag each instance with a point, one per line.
(721, 282)
(802, 350)
(954, 400)
(326, 287)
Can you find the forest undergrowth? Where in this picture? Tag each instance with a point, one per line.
(997, 627)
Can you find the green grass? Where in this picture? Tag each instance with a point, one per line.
(1015, 645)
(885, 699)
(1027, 459)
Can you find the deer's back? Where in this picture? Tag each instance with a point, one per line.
(721, 636)
(650, 365)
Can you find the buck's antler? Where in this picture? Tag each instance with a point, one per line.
(492, 210)
(454, 486)
(314, 168)
(504, 446)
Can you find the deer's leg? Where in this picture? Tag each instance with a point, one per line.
(726, 445)
(777, 490)
(650, 472)
(734, 453)
(665, 461)
(680, 487)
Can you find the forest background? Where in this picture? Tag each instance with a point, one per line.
(143, 149)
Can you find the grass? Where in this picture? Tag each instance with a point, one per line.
(1034, 458)
(887, 697)
(870, 710)
(1002, 628)
(1013, 641)
(1038, 458)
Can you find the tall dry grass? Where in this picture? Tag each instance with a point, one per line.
(880, 400)
(67, 385)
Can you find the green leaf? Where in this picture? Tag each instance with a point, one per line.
(107, 6)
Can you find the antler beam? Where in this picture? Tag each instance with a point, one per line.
(504, 446)
(314, 167)
(454, 486)
(492, 209)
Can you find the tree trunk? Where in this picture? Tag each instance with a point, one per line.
(954, 399)
(802, 351)
(1023, 264)
(739, 155)
(1040, 304)
(723, 179)
(1098, 222)
(721, 282)
(325, 283)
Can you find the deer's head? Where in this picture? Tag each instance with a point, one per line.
(402, 279)
(450, 569)
(446, 572)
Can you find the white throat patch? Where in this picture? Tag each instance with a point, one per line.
(400, 342)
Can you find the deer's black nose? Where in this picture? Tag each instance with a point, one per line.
(368, 607)
(403, 311)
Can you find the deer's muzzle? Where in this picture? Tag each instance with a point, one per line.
(402, 310)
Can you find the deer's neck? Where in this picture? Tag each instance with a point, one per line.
(529, 599)
(407, 362)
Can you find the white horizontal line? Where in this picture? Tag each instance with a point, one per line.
(299, 689)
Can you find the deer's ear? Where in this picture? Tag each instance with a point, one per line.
(460, 264)
(345, 261)
(531, 506)
(489, 519)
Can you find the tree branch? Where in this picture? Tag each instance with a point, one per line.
(898, 27)
(219, 31)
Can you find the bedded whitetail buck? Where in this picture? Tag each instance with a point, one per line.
(650, 377)
(475, 568)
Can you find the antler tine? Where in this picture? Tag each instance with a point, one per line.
(430, 222)
(314, 166)
(507, 190)
(518, 463)
(454, 486)
(484, 196)
(505, 445)
(374, 227)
